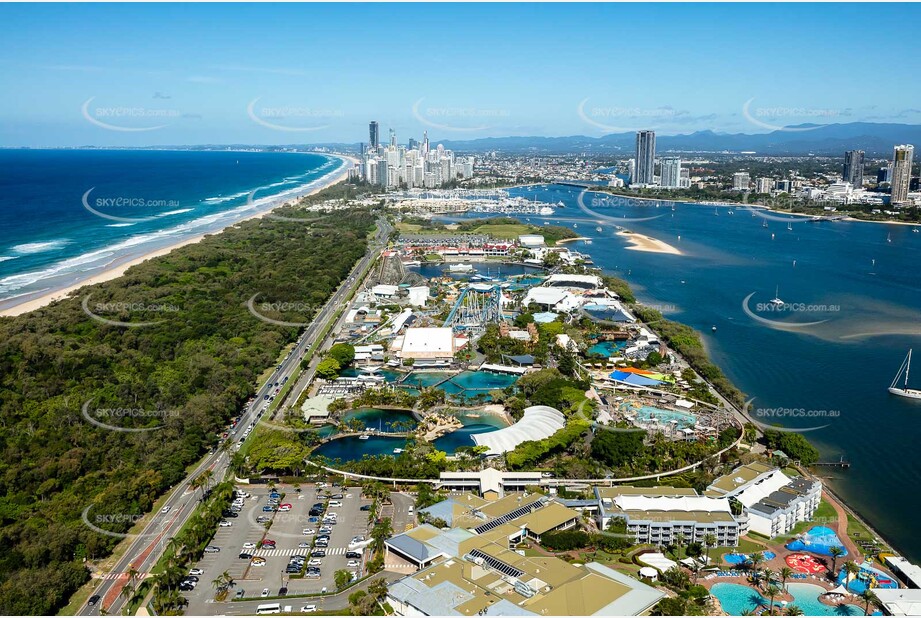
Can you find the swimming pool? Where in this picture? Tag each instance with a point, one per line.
(606, 348)
(743, 558)
(450, 442)
(382, 420)
(867, 577)
(817, 540)
(737, 599)
(649, 414)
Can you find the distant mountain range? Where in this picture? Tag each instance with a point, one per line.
(877, 139)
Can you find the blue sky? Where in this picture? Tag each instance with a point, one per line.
(108, 74)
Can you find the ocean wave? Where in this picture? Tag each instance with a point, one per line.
(40, 247)
(220, 199)
(212, 222)
(4, 258)
(175, 212)
(120, 224)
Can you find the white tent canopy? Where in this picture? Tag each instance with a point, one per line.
(538, 422)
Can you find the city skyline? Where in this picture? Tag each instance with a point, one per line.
(179, 85)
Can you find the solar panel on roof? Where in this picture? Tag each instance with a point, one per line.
(497, 564)
(519, 512)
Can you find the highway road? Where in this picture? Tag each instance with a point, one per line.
(147, 546)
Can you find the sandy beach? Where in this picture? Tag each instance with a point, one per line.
(641, 242)
(118, 270)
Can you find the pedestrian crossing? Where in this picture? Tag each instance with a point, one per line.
(271, 553)
(111, 576)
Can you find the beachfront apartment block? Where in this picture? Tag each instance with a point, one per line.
(658, 515)
(773, 501)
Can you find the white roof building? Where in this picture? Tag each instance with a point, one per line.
(538, 422)
(558, 298)
(385, 291)
(418, 296)
(427, 344)
(531, 240)
(574, 281)
(900, 601)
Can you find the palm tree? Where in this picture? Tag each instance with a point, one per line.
(836, 552)
(679, 542)
(851, 570)
(769, 575)
(793, 610)
(869, 598)
(754, 561)
(772, 591)
(785, 573)
(709, 541)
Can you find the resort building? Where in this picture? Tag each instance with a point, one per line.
(557, 299)
(489, 483)
(658, 514)
(538, 422)
(466, 574)
(774, 502)
(899, 601)
(575, 282)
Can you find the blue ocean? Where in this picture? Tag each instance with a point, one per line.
(69, 214)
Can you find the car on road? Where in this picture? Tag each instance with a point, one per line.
(249, 545)
(166, 509)
(353, 564)
(308, 609)
(212, 549)
(95, 599)
(265, 592)
(196, 572)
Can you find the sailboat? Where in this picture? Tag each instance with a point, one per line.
(889, 237)
(904, 391)
(790, 226)
(776, 300)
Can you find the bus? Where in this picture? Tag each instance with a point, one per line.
(268, 608)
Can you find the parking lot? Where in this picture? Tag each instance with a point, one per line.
(287, 530)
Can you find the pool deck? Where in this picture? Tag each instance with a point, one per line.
(783, 596)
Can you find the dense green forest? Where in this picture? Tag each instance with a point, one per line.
(182, 378)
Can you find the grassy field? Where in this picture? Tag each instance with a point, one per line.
(509, 231)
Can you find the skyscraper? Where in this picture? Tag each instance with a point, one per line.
(645, 158)
(670, 176)
(901, 173)
(374, 130)
(741, 181)
(853, 168)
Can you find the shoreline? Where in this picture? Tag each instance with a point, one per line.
(642, 242)
(118, 269)
(847, 218)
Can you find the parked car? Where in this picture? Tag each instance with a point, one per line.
(196, 572)
(212, 549)
(265, 592)
(353, 564)
(258, 561)
(245, 556)
(249, 545)
(225, 524)
(309, 609)
(303, 545)
(309, 531)
(318, 553)
(358, 539)
(353, 554)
